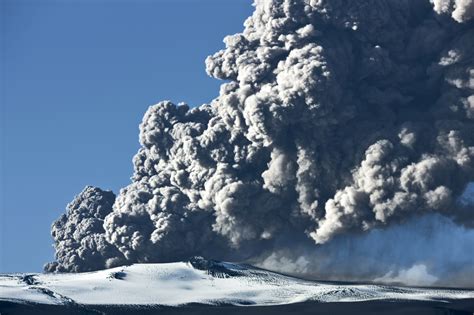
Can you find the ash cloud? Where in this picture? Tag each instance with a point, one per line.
(79, 235)
(416, 275)
(427, 250)
(460, 10)
(338, 118)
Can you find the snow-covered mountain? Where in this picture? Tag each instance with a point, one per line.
(199, 281)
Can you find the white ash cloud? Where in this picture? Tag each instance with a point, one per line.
(338, 117)
(416, 275)
(460, 10)
(433, 241)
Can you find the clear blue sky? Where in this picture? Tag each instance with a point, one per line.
(77, 77)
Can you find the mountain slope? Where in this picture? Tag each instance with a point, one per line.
(199, 281)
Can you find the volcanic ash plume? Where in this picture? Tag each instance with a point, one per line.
(338, 117)
(79, 234)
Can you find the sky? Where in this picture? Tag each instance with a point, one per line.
(77, 77)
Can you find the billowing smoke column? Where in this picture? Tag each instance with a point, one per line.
(79, 234)
(339, 117)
